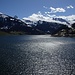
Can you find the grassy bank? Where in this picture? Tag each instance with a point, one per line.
(4, 33)
(12, 33)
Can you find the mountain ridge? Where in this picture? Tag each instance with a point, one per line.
(11, 25)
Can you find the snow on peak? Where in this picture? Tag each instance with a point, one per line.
(3, 15)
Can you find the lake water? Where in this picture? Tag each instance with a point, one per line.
(37, 55)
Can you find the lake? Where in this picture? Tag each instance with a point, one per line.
(37, 55)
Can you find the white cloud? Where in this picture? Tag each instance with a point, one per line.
(55, 10)
(47, 12)
(39, 16)
(35, 17)
(70, 6)
(70, 17)
(45, 7)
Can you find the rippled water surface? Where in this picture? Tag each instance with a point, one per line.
(37, 55)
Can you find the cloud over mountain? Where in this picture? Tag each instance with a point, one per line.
(49, 18)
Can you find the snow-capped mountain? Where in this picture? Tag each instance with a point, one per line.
(33, 25)
(43, 25)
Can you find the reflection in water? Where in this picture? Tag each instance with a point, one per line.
(37, 55)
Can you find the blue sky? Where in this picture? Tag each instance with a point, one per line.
(25, 8)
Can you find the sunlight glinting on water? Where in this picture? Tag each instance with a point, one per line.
(51, 44)
(38, 55)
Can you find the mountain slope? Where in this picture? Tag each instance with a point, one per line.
(8, 24)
